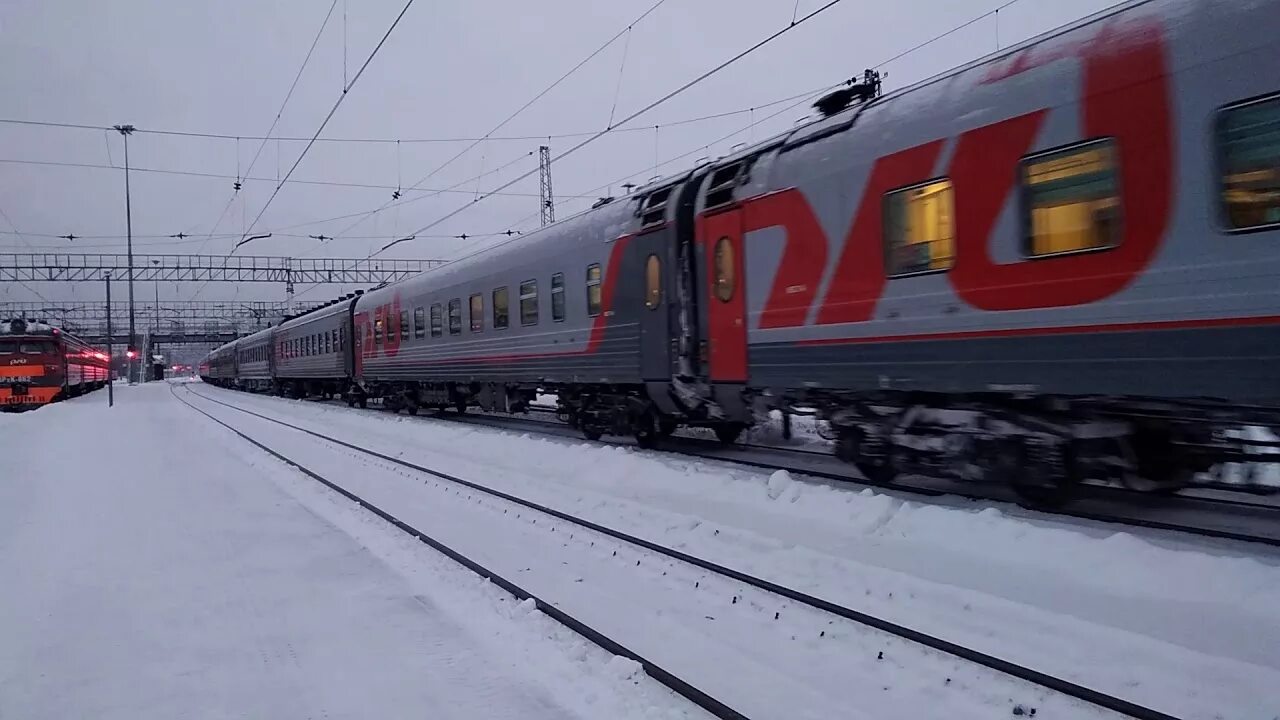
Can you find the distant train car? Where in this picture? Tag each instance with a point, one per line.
(313, 352)
(40, 364)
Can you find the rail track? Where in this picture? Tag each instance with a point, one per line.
(683, 687)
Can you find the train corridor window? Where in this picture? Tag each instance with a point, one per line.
(557, 297)
(726, 270)
(500, 308)
(342, 338)
(377, 332)
(404, 325)
(419, 322)
(593, 290)
(529, 302)
(437, 321)
(1249, 153)
(477, 312)
(455, 317)
(919, 232)
(652, 282)
(1073, 201)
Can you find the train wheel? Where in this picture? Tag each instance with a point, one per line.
(728, 434)
(363, 402)
(461, 407)
(667, 428)
(592, 434)
(647, 432)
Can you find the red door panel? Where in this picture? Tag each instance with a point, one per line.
(720, 239)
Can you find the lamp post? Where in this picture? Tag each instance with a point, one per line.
(111, 393)
(126, 131)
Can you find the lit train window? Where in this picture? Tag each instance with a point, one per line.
(557, 297)
(476, 308)
(1072, 199)
(455, 316)
(593, 290)
(437, 321)
(419, 322)
(726, 270)
(652, 282)
(1249, 152)
(377, 331)
(919, 232)
(500, 308)
(529, 302)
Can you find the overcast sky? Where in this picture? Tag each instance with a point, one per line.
(450, 70)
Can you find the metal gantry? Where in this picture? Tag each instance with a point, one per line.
(62, 267)
(179, 321)
(544, 185)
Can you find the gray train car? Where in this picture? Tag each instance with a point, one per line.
(314, 351)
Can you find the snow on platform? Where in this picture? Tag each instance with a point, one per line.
(155, 568)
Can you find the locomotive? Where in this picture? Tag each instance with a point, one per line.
(40, 364)
(1057, 263)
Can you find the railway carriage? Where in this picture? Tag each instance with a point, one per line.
(1057, 262)
(40, 364)
(253, 361)
(313, 351)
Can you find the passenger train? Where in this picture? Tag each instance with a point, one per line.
(40, 364)
(1056, 263)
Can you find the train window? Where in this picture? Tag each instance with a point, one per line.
(593, 290)
(726, 270)
(477, 312)
(500, 309)
(328, 342)
(1249, 153)
(919, 234)
(404, 325)
(1073, 200)
(529, 302)
(8, 348)
(437, 321)
(419, 322)
(377, 332)
(557, 297)
(455, 316)
(652, 282)
(37, 347)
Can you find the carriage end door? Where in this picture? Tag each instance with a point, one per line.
(721, 252)
(652, 251)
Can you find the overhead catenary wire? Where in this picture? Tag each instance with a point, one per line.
(759, 44)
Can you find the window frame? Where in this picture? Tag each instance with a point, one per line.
(437, 320)
(884, 215)
(716, 270)
(1220, 214)
(506, 306)
(533, 295)
(475, 319)
(1024, 199)
(404, 325)
(455, 310)
(598, 282)
(419, 322)
(564, 308)
(657, 302)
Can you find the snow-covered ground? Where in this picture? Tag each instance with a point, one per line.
(166, 564)
(155, 568)
(1186, 625)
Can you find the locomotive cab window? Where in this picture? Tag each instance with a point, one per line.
(557, 297)
(652, 282)
(1073, 201)
(1249, 153)
(8, 347)
(476, 309)
(455, 316)
(726, 270)
(419, 322)
(500, 308)
(529, 302)
(918, 229)
(593, 290)
(437, 321)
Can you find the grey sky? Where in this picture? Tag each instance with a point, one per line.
(451, 69)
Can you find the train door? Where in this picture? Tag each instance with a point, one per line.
(723, 295)
(651, 254)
